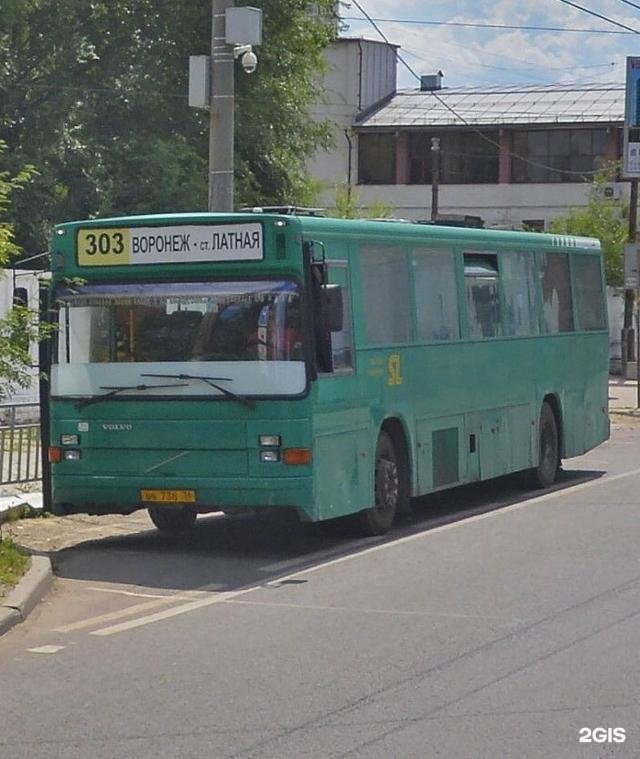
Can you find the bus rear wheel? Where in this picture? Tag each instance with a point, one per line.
(546, 472)
(173, 520)
(390, 488)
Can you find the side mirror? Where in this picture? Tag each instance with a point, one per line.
(332, 307)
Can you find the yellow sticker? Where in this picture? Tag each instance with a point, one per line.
(104, 247)
(395, 375)
(168, 496)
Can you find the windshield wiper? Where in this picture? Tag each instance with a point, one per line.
(116, 390)
(210, 381)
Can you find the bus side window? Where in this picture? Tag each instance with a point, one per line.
(483, 301)
(589, 296)
(557, 307)
(436, 297)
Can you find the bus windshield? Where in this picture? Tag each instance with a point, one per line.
(111, 335)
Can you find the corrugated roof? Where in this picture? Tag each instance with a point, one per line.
(538, 104)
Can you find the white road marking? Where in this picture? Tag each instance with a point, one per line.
(45, 650)
(131, 593)
(127, 612)
(224, 596)
(192, 606)
(388, 612)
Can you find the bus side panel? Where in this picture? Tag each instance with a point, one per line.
(342, 463)
(585, 418)
(503, 440)
(441, 452)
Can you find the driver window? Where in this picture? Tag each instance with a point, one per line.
(342, 341)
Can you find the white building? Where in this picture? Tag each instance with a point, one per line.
(513, 155)
(22, 285)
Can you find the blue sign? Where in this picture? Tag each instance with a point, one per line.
(631, 150)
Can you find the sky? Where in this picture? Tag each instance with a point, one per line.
(476, 56)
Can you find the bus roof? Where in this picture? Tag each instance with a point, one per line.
(398, 228)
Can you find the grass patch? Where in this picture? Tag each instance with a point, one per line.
(14, 562)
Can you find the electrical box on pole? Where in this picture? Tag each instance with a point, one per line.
(243, 26)
(199, 81)
(631, 266)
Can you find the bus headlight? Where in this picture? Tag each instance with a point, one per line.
(72, 454)
(270, 441)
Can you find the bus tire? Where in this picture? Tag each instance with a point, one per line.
(546, 472)
(173, 520)
(390, 488)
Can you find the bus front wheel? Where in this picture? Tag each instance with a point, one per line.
(173, 520)
(546, 472)
(390, 488)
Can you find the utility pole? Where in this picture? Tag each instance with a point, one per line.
(221, 106)
(435, 176)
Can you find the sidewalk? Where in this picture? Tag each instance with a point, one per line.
(8, 501)
(623, 396)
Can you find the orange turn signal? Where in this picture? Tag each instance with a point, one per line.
(55, 454)
(297, 456)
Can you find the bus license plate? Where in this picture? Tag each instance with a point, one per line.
(168, 496)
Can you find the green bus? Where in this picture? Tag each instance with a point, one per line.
(224, 362)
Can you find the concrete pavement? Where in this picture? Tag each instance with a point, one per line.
(623, 395)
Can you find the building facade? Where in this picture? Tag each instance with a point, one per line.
(515, 156)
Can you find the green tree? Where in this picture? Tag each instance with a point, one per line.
(604, 218)
(95, 95)
(348, 205)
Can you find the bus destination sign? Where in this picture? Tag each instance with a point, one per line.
(111, 246)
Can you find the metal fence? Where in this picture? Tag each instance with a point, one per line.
(20, 443)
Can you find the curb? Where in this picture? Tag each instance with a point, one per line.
(17, 606)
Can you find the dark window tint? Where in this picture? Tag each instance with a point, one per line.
(590, 306)
(556, 293)
(483, 299)
(385, 294)
(377, 159)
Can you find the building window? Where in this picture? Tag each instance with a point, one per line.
(556, 155)
(465, 157)
(377, 159)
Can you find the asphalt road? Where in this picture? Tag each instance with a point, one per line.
(497, 623)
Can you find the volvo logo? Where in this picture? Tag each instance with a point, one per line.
(117, 427)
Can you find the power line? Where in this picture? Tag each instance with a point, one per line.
(633, 5)
(490, 26)
(600, 16)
